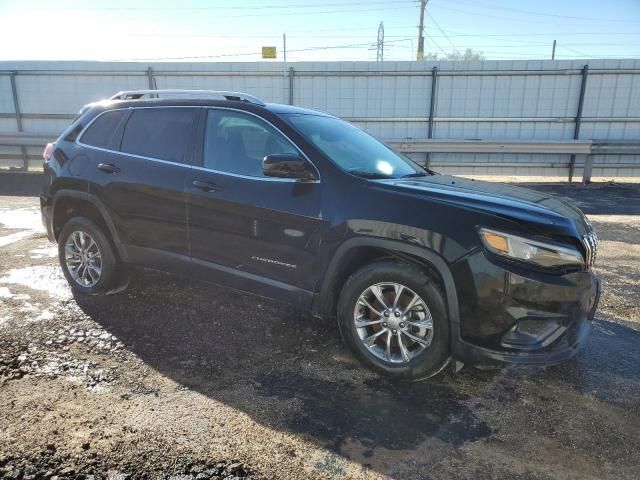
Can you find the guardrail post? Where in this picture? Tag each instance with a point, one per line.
(588, 167)
(576, 132)
(432, 107)
(16, 108)
(291, 75)
(153, 85)
(152, 80)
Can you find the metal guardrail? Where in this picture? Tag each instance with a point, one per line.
(436, 145)
(23, 139)
(588, 148)
(429, 145)
(372, 119)
(277, 72)
(620, 147)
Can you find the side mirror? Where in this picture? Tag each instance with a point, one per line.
(287, 165)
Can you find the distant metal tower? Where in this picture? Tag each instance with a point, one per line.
(380, 51)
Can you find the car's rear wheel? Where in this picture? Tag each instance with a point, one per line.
(87, 258)
(393, 316)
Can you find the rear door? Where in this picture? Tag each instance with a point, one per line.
(246, 230)
(140, 177)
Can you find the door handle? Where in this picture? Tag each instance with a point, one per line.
(108, 167)
(207, 186)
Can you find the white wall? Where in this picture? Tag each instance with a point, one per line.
(391, 100)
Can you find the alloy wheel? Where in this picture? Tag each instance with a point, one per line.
(83, 258)
(393, 322)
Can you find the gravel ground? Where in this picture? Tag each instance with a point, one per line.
(173, 379)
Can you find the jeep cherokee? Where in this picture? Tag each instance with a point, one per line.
(297, 205)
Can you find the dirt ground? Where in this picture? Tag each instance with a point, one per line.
(173, 379)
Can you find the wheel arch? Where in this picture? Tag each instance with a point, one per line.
(70, 203)
(356, 252)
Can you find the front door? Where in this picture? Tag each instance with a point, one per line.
(246, 230)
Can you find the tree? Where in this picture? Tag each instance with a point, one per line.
(468, 56)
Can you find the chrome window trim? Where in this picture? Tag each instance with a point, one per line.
(79, 138)
(302, 154)
(249, 177)
(142, 157)
(84, 130)
(78, 142)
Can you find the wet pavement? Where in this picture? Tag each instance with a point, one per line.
(182, 379)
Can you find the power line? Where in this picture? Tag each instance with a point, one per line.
(467, 12)
(534, 34)
(575, 51)
(244, 54)
(450, 33)
(529, 12)
(323, 12)
(218, 8)
(298, 13)
(429, 37)
(545, 45)
(276, 34)
(442, 31)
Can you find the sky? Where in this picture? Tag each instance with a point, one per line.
(219, 30)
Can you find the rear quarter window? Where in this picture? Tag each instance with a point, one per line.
(101, 131)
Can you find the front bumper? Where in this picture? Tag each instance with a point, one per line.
(509, 314)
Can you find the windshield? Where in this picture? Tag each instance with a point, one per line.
(352, 149)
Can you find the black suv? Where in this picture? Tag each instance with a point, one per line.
(297, 205)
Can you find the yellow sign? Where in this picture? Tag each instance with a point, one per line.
(268, 52)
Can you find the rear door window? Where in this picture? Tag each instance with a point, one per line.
(102, 130)
(162, 133)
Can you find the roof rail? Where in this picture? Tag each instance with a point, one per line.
(212, 94)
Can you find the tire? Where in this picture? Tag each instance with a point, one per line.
(97, 283)
(417, 360)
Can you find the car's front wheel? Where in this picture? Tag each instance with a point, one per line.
(87, 258)
(393, 316)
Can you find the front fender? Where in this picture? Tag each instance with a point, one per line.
(322, 301)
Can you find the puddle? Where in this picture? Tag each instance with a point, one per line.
(335, 412)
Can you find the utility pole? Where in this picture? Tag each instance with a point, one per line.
(284, 66)
(420, 55)
(553, 51)
(284, 52)
(380, 51)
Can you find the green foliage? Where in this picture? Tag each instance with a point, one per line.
(468, 56)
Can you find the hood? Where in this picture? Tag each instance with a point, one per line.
(516, 203)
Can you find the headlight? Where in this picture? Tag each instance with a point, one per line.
(527, 250)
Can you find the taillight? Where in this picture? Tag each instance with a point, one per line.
(48, 151)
